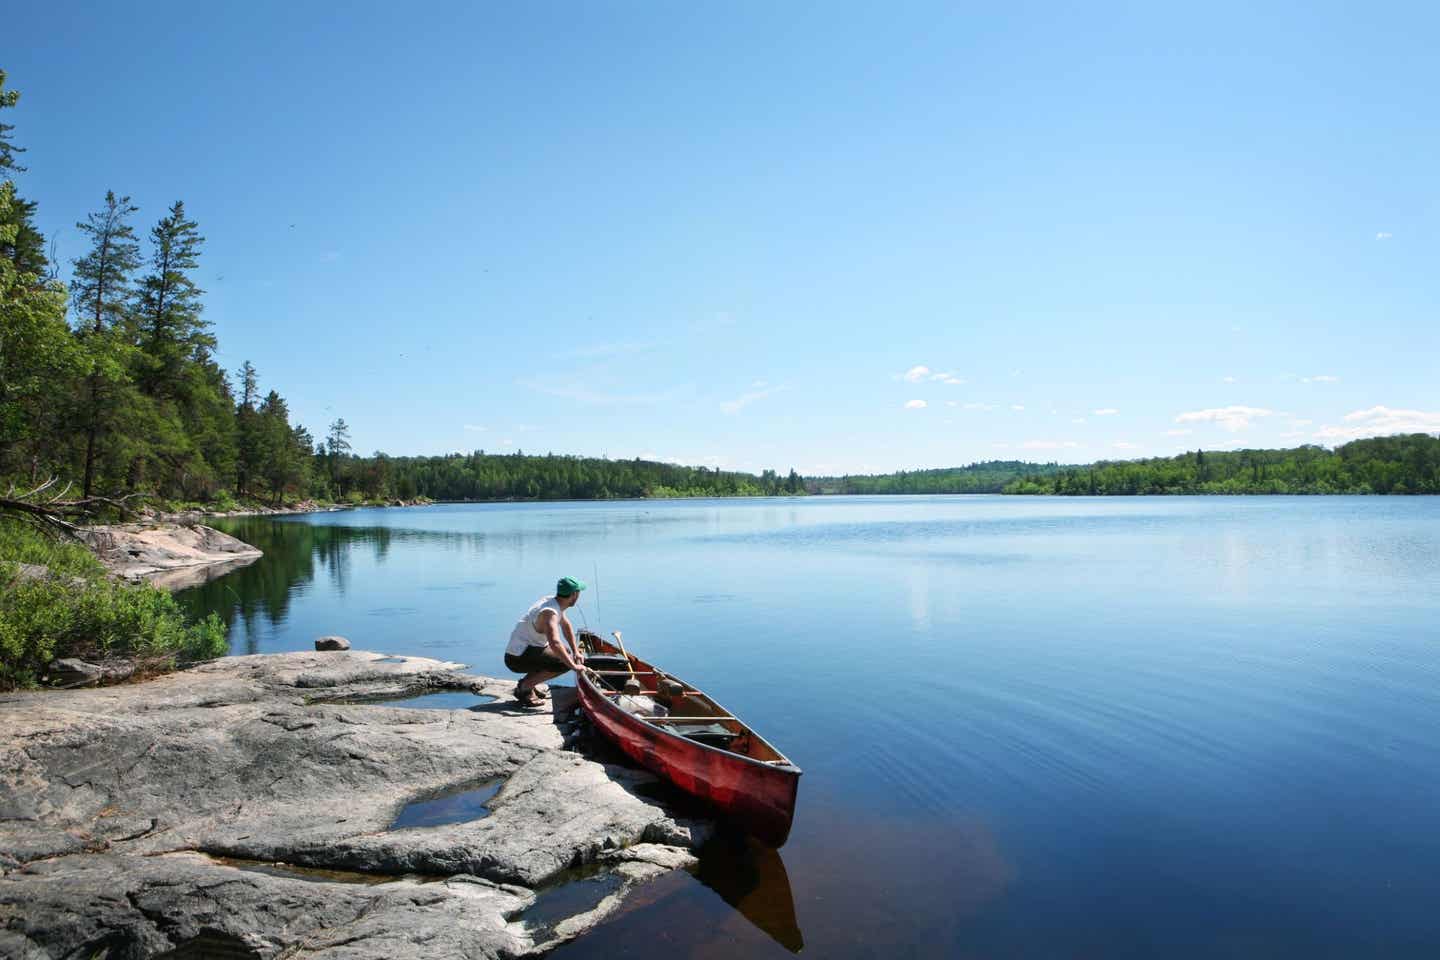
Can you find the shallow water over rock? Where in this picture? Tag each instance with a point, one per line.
(458, 806)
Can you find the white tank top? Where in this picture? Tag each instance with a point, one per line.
(525, 633)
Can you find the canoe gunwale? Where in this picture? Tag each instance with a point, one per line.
(783, 764)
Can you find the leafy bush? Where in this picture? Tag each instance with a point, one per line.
(21, 543)
(76, 612)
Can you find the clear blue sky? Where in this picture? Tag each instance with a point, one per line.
(762, 235)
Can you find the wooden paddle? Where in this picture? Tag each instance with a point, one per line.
(628, 665)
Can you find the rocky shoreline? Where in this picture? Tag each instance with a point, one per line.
(248, 807)
(170, 555)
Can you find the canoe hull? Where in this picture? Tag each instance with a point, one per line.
(757, 796)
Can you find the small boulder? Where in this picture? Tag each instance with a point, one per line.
(332, 643)
(71, 672)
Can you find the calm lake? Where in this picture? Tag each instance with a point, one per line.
(1185, 727)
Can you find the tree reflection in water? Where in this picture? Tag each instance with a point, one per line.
(296, 552)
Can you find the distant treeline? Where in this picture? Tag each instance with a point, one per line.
(482, 476)
(992, 476)
(1395, 465)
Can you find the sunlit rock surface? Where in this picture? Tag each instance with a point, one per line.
(147, 550)
(134, 817)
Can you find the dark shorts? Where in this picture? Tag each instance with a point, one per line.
(533, 659)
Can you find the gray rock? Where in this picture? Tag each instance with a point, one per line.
(73, 672)
(138, 551)
(207, 810)
(332, 643)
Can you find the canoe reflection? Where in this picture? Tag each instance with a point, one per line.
(751, 877)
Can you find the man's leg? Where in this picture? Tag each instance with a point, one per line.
(526, 686)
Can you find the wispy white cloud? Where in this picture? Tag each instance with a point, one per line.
(589, 397)
(1018, 407)
(1322, 378)
(598, 351)
(747, 398)
(1077, 419)
(1105, 412)
(955, 381)
(1379, 422)
(980, 406)
(1232, 418)
(475, 428)
(952, 403)
(915, 405)
(1300, 423)
(1227, 379)
(1382, 235)
(916, 373)
(1049, 445)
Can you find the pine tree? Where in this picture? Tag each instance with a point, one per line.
(8, 98)
(101, 291)
(282, 449)
(337, 446)
(172, 333)
(24, 244)
(37, 357)
(247, 427)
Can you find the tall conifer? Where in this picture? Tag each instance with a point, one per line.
(172, 332)
(101, 293)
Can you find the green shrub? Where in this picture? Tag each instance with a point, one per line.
(41, 620)
(76, 612)
(22, 543)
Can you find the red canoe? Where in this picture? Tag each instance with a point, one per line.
(694, 743)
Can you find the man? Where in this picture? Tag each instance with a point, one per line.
(536, 648)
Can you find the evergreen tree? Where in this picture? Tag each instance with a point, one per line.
(337, 446)
(172, 332)
(23, 244)
(37, 360)
(101, 291)
(37, 357)
(247, 430)
(8, 98)
(281, 449)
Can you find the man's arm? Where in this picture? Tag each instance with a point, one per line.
(549, 623)
(570, 635)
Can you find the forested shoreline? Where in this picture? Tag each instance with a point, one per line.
(1401, 464)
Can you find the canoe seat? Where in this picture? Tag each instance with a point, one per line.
(710, 734)
(613, 664)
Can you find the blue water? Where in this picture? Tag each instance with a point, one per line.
(1035, 727)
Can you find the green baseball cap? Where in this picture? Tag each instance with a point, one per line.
(568, 585)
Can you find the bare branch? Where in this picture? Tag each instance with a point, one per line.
(55, 515)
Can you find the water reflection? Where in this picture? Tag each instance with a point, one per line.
(297, 552)
(751, 877)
